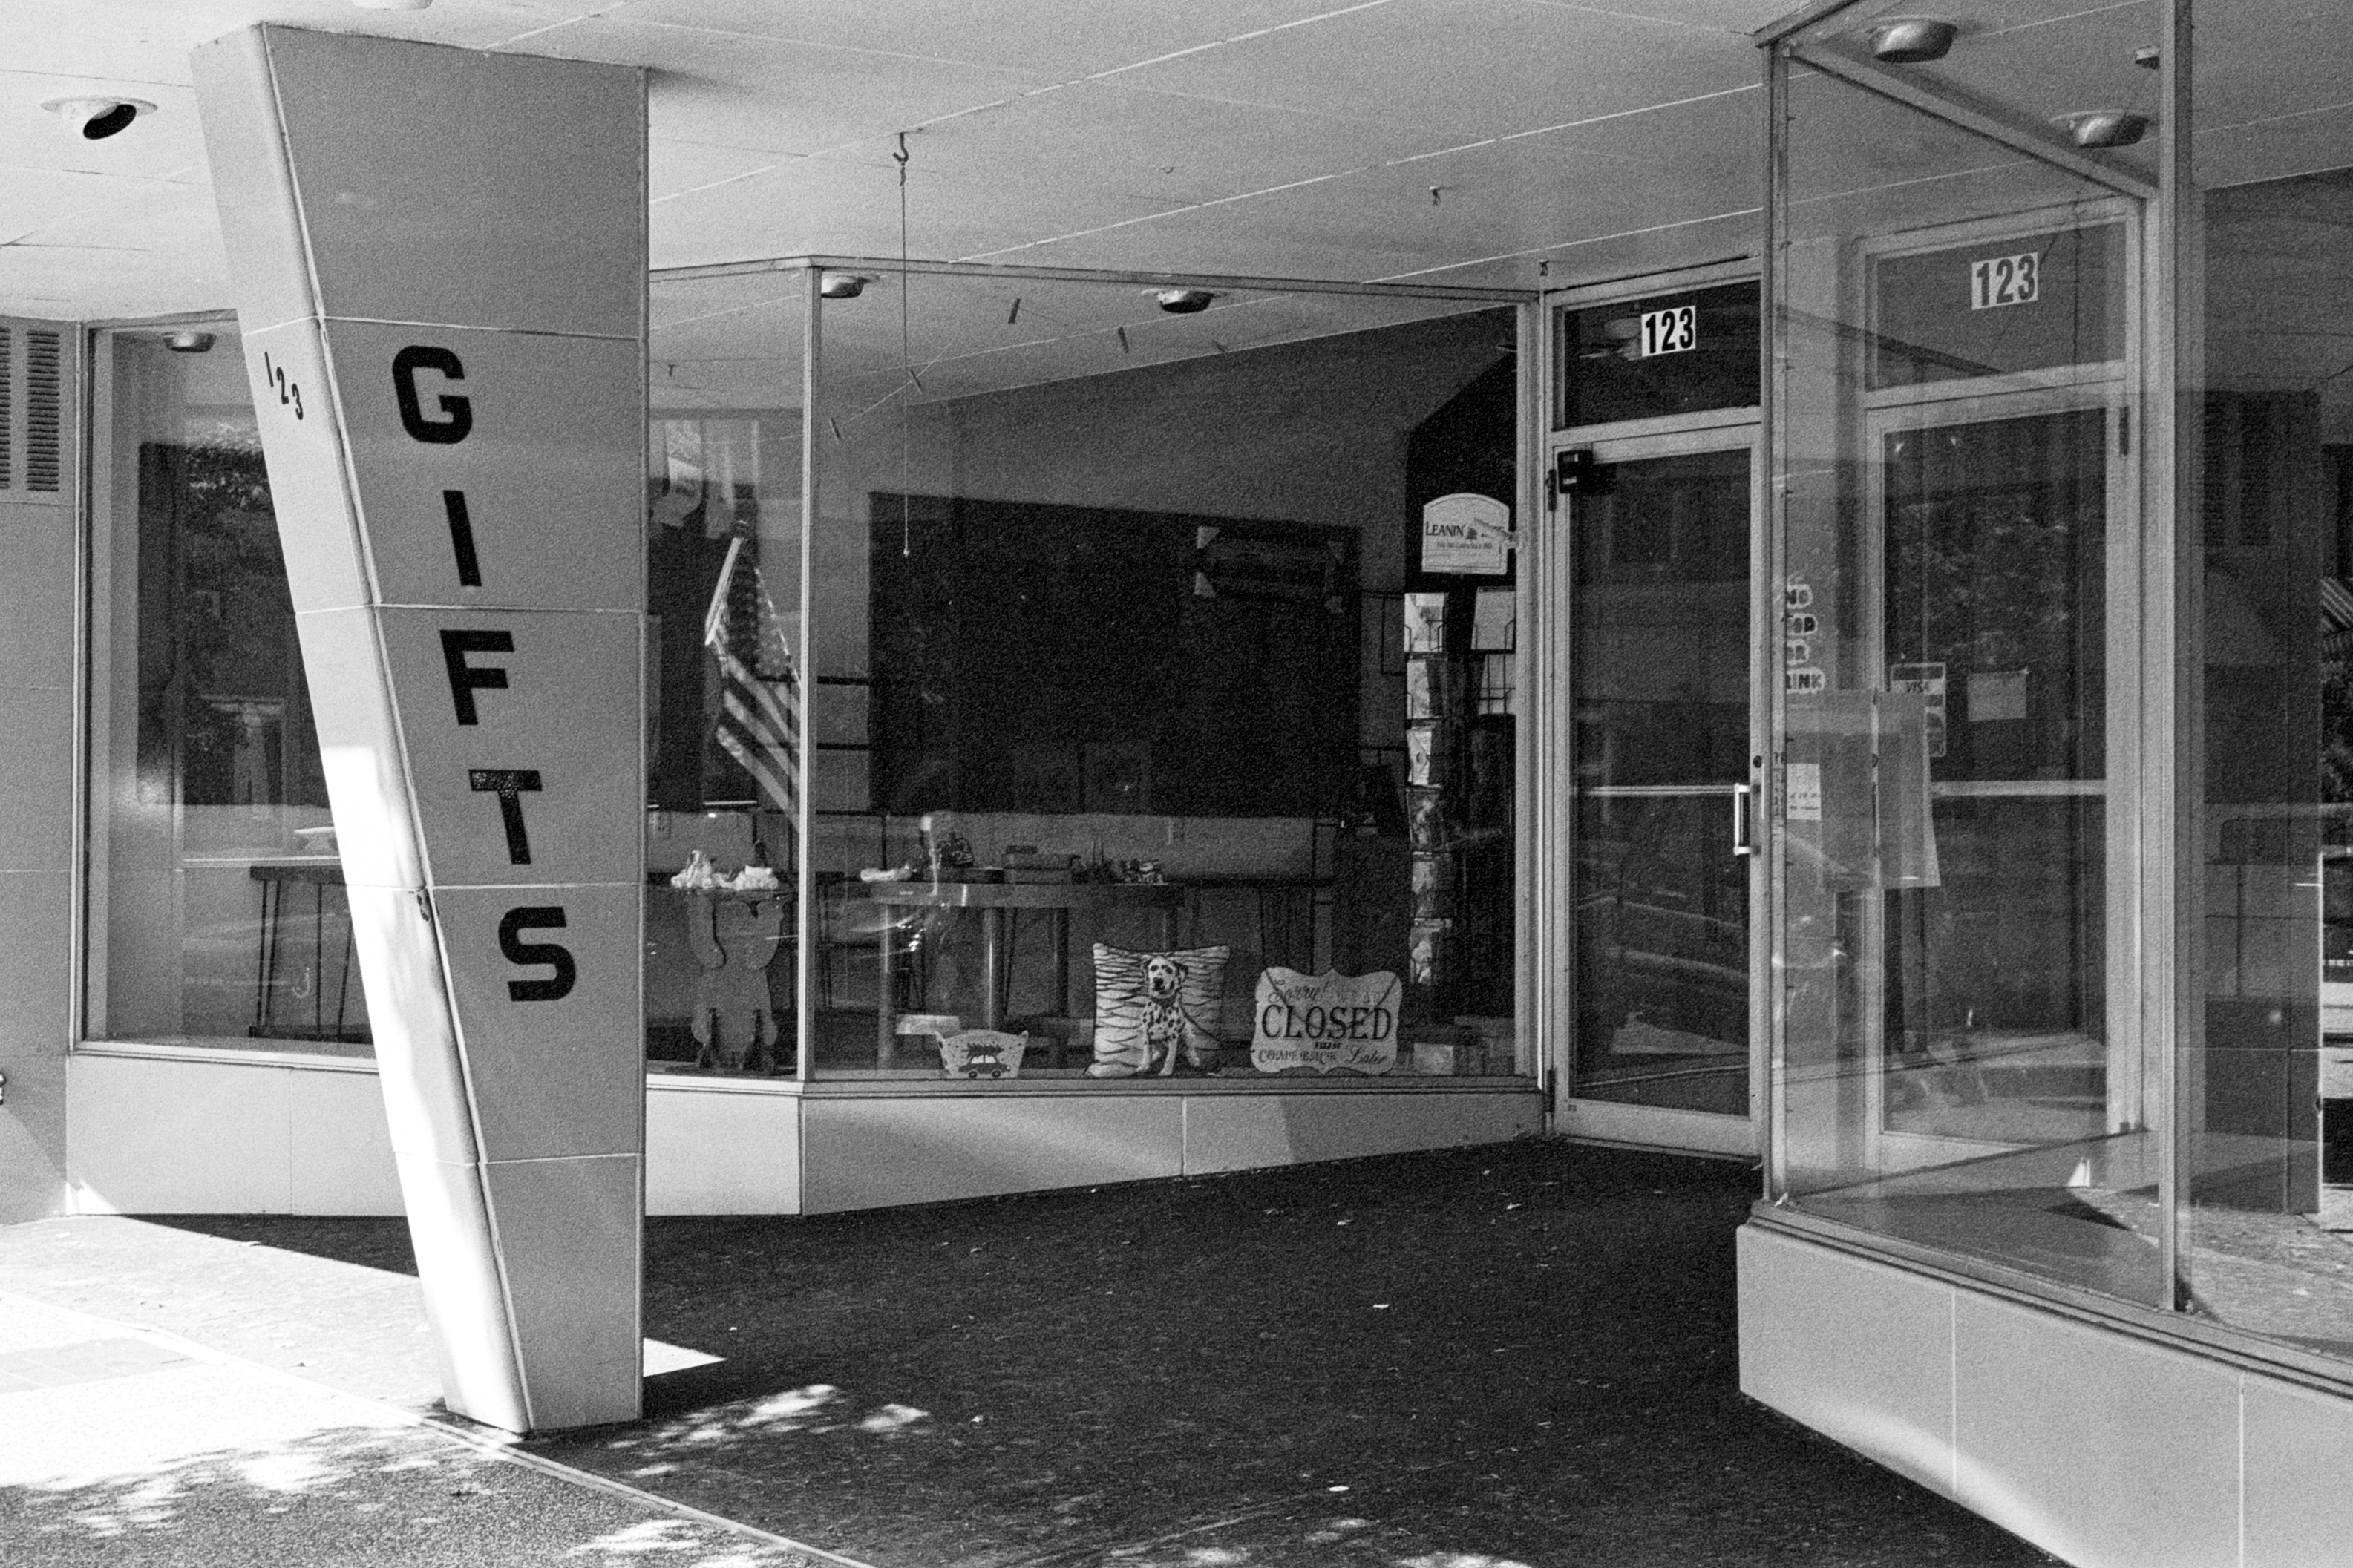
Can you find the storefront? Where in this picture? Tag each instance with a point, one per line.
(2056, 442)
(1862, 688)
(1082, 744)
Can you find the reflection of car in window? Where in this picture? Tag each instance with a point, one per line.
(1665, 913)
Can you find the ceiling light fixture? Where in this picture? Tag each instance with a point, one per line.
(94, 119)
(188, 341)
(1912, 40)
(1183, 301)
(392, 5)
(842, 285)
(2097, 127)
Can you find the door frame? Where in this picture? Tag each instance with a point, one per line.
(1715, 431)
(2112, 385)
(1886, 1150)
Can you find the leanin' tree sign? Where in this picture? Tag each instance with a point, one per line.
(440, 263)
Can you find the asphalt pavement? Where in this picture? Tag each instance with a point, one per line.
(1511, 1357)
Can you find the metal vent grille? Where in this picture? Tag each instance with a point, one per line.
(7, 408)
(44, 410)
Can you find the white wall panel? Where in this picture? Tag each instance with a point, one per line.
(1885, 1390)
(339, 1150)
(2101, 1448)
(40, 440)
(268, 1136)
(164, 1137)
(715, 1151)
(870, 1154)
(1239, 1132)
(2299, 1453)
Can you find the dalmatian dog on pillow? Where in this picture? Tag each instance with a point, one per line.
(1164, 1032)
(1153, 1008)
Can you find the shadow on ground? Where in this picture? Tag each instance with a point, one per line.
(344, 1497)
(1514, 1355)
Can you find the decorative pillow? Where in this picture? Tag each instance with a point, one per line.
(1152, 1006)
(982, 1053)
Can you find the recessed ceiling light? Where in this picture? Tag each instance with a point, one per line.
(1183, 301)
(842, 285)
(1912, 40)
(2095, 128)
(188, 341)
(95, 118)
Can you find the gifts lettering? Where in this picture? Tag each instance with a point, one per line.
(510, 784)
(457, 412)
(534, 917)
(443, 418)
(465, 679)
(461, 539)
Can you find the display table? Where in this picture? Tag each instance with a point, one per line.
(993, 899)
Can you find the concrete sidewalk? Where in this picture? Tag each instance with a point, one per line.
(247, 1405)
(123, 1446)
(1504, 1358)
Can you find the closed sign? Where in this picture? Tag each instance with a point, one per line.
(1326, 1023)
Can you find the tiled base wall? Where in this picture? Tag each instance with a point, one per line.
(2100, 1447)
(155, 1135)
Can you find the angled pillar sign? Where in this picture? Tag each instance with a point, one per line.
(440, 263)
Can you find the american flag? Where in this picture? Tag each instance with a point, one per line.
(759, 717)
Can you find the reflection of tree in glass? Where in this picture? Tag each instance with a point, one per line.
(217, 622)
(2336, 742)
(2008, 578)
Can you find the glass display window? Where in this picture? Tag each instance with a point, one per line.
(219, 903)
(1956, 543)
(218, 910)
(1159, 630)
(2262, 1236)
(1047, 678)
(2059, 436)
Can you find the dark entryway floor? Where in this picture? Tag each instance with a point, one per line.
(1521, 1354)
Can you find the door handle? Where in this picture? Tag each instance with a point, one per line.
(1744, 819)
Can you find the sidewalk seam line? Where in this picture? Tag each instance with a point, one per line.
(502, 1449)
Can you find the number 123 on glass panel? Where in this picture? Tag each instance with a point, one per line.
(2000, 281)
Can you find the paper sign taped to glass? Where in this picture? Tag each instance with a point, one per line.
(1326, 1023)
(1857, 806)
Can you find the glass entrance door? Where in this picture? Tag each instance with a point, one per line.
(1988, 1011)
(1659, 745)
